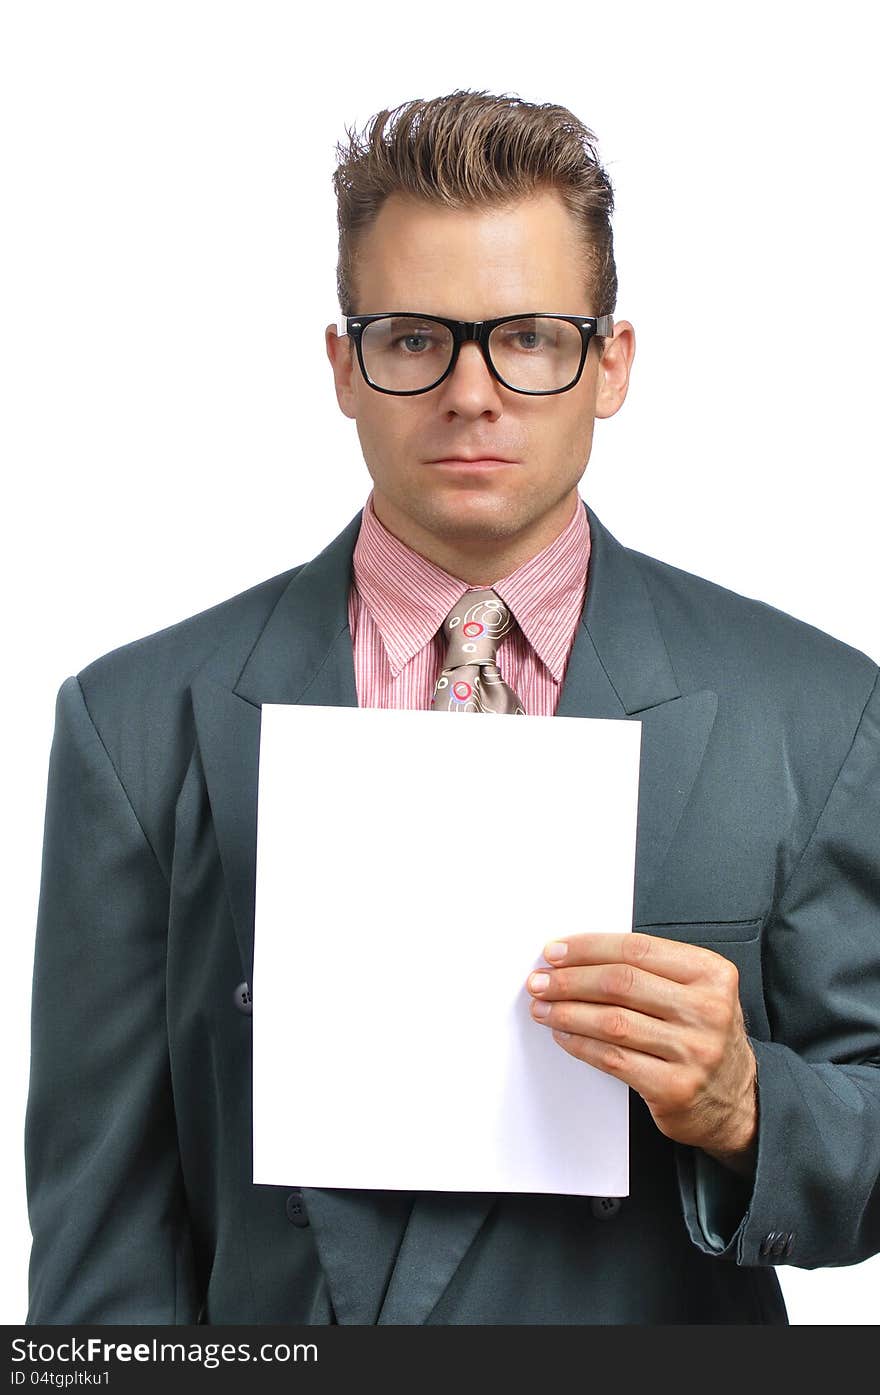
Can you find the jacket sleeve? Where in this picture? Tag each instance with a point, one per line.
(111, 1240)
(814, 1200)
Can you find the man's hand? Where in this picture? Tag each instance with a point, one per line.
(666, 1018)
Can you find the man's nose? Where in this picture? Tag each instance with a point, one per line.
(471, 381)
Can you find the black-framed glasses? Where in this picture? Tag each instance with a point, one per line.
(406, 352)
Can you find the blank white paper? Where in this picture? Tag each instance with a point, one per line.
(411, 866)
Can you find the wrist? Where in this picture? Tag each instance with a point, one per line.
(739, 1151)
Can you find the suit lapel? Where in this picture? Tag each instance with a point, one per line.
(303, 654)
(380, 1266)
(619, 667)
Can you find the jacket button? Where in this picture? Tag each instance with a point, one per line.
(296, 1209)
(243, 1000)
(605, 1208)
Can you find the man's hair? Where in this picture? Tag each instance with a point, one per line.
(473, 150)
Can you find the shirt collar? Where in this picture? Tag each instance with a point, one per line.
(409, 597)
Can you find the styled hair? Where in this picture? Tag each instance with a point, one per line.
(470, 150)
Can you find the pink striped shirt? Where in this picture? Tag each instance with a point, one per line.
(398, 601)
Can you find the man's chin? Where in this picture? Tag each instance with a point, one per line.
(458, 517)
(468, 520)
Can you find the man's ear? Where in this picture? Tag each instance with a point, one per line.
(340, 351)
(612, 378)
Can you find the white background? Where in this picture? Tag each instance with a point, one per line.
(170, 435)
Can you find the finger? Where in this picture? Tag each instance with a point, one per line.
(670, 959)
(653, 1078)
(615, 983)
(707, 1003)
(616, 1026)
(609, 983)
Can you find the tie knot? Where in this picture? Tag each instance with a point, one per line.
(475, 627)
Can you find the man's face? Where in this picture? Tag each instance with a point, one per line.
(476, 265)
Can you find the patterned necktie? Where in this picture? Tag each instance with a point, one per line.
(470, 680)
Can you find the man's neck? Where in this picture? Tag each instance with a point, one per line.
(481, 561)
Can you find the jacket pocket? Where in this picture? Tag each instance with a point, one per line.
(705, 931)
(740, 942)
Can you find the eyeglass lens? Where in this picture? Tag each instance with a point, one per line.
(405, 353)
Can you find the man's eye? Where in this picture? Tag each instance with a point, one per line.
(412, 342)
(526, 339)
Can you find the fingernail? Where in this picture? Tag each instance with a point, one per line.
(538, 982)
(540, 1009)
(556, 951)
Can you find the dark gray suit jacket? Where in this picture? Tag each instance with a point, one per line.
(758, 836)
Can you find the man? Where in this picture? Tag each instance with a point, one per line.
(477, 348)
